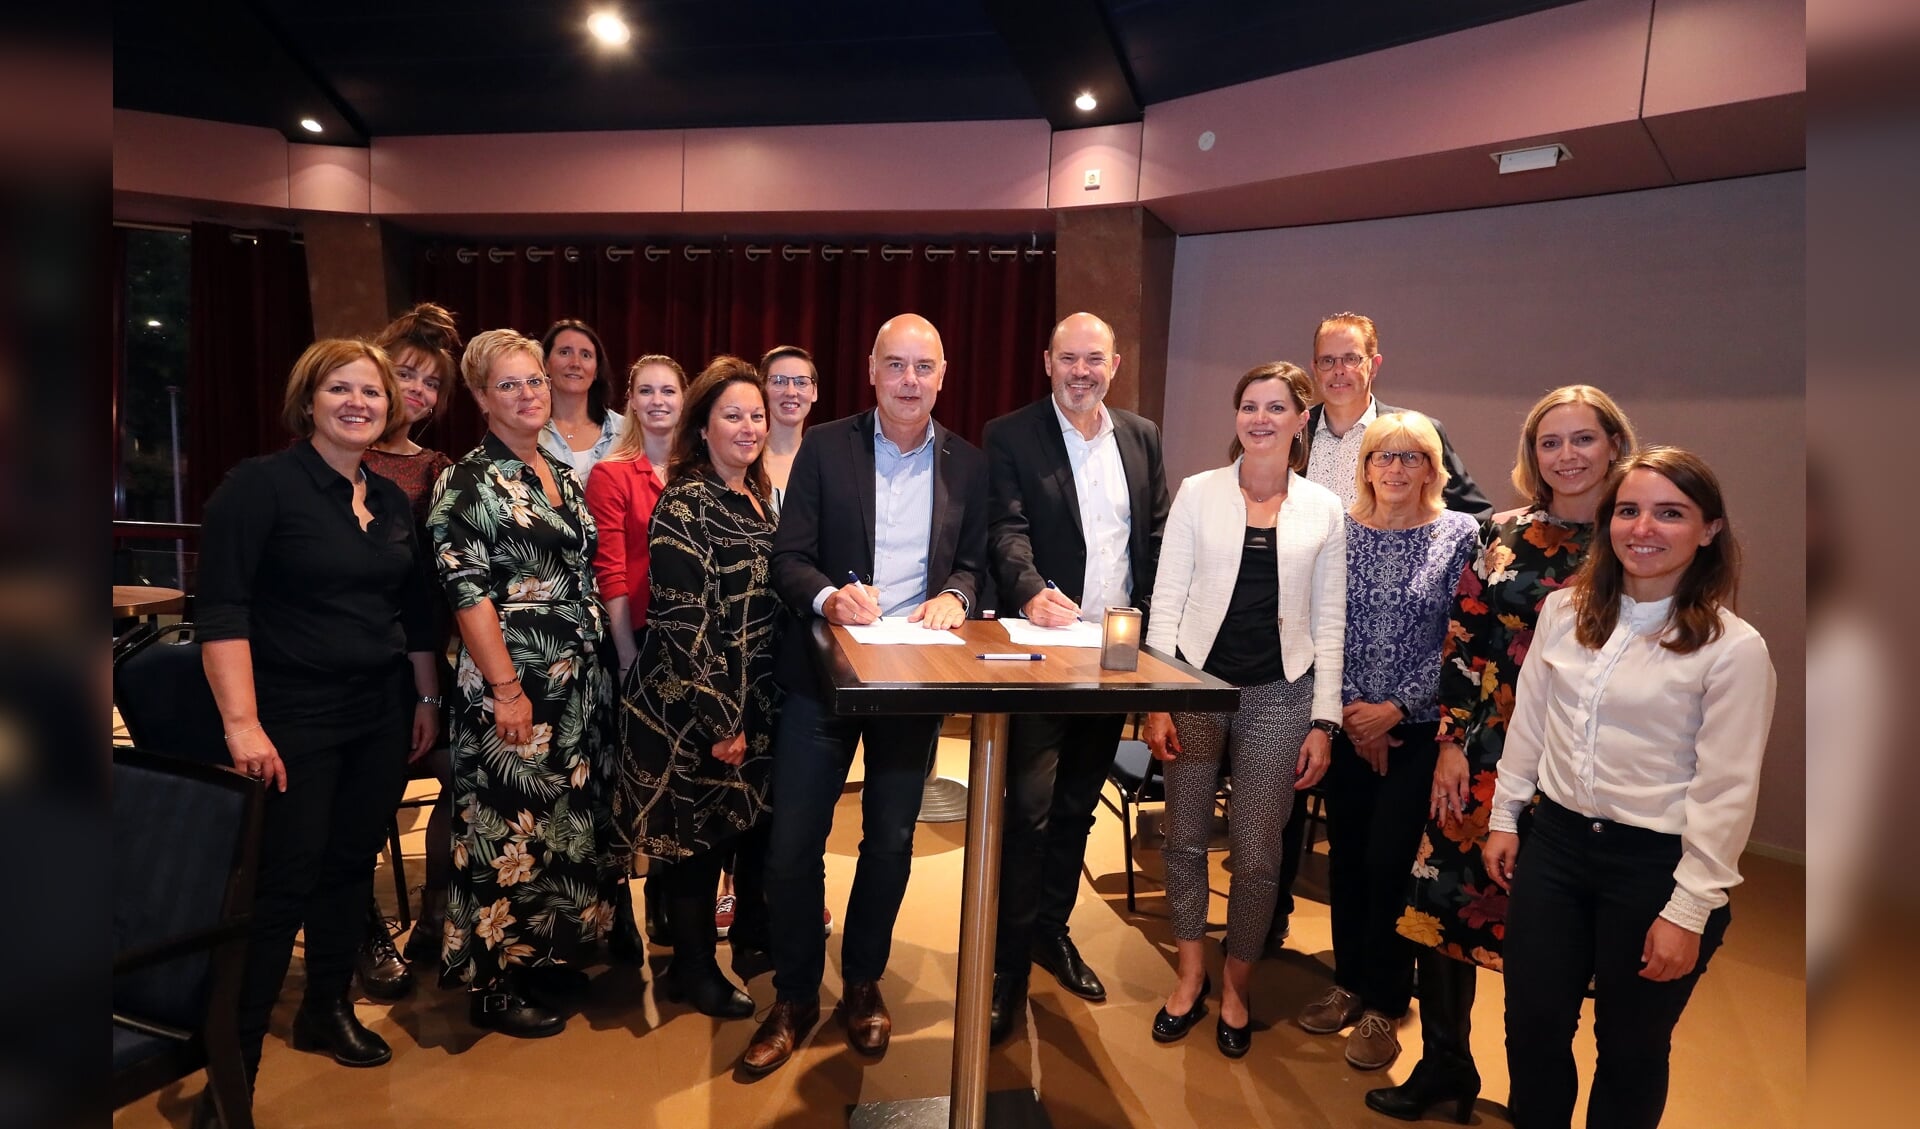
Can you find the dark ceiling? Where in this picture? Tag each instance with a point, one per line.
(366, 68)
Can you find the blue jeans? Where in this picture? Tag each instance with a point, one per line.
(812, 752)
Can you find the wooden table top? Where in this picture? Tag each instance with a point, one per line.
(858, 678)
(141, 599)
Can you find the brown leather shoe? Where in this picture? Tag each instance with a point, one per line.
(773, 1043)
(869, 1027)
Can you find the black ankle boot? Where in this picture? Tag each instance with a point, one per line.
(505, 1008)
(624, 942)
(328, 1025)
(382, 974)
(1434, 1081)
(702, 984)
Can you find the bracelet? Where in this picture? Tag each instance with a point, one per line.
(238, 732)
(508, 681)
(428, 700)
(499, 701)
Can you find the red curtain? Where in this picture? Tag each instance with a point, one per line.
(993, 305)
(250, 319)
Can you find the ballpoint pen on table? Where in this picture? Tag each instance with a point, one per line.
(1018, 656)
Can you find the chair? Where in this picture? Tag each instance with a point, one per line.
(161, 691)
(182, 904)
(1136, 776)
(418, 770)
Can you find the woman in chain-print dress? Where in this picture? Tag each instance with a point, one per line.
(532, 877)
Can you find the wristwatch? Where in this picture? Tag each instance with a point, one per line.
(1330, 728)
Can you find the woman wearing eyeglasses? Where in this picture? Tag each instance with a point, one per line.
(514, 543)
(793, 386)
(1404, 553)
(622, 490)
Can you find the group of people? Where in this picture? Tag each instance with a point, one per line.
(631, 690)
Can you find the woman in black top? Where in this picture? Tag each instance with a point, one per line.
(315, 627)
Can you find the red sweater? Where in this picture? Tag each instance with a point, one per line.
(621, 497)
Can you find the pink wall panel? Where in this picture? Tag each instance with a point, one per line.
(1112, 149)
(164, 155)
(557, 173)
(329, 178)
(1715, 52)
(1764, 135)
(1567, 68)
(932, 166)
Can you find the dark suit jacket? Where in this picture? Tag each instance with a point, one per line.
(1460, 491)
(1034, 532)
(827, 526)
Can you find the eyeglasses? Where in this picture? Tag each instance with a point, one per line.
(801, 382)
(1412, 460)
(509, 387)
(1351, 360)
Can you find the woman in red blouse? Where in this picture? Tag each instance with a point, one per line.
(621, 491)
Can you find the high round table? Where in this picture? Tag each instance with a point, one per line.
(140, 599)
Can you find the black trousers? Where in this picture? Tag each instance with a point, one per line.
(317, 850)
(1056, 766)
(1585, 892)
(1373, 832)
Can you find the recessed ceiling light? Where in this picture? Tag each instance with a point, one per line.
(1086, 100)
(153, 323)
(310, 125)
(607, 26)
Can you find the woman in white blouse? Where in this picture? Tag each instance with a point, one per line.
(1641, 719)
(1232, 533)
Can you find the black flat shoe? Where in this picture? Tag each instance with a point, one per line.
(1169, 1028)
(1234, 1042)
(1431, 1083)
(508, 1011)
(708, 990)
(330, 1028)
(1059, 956)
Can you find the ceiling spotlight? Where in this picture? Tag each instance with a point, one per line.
(153, 323)
(310, 125)
(607, 26)
(1531, 160)
(1086, 100)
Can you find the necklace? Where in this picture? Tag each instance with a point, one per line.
(1260, 499)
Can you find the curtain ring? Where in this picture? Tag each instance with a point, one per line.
(692, 252)
(936, 253)
(888, 254)
(499, 255)
(537, 254)
(995, 254)
(615, 254)
(465, 255)
(828, 252)
(755, 254)
(652, 257)
(433, 254)
(789, 252)
(571, 254)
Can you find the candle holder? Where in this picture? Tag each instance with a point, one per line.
(1120, 639)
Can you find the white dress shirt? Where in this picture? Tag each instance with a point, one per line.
(1334, 461)
(1640, 735)
(1100, 480)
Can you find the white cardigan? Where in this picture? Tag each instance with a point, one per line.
(1200, 560)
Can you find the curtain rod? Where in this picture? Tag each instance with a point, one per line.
(176, 229)
(752, 253)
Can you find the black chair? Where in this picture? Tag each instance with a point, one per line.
(1136, 776)
(186, 843)
(163, 697)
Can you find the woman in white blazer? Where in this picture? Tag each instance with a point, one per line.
(1251, 588)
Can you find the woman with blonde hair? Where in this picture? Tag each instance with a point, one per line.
(1640, 723)
(1404, 553)
(1568, 445)
(1251, 587)
(532, 769)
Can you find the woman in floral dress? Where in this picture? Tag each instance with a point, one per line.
(1570, 441)
(532, 769)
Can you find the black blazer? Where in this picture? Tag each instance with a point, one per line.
(1461, 492)
(827, 527)
(1034, 532)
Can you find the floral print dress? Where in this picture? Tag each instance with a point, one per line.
(532, 881)
(1524, 556)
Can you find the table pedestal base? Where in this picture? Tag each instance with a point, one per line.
(943, 800)
(1004, 1109)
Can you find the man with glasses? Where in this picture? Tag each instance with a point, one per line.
(1079, 500)
(1346, 360)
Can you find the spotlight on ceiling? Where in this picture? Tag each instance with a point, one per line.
(153, 323)
(1531, 160)
(310, 125)
(1086, 100)
(607, 26)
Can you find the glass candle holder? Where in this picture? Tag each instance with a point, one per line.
(1120, 639)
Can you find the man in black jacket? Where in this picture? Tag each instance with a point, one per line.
(886, 514)
(1079, 499)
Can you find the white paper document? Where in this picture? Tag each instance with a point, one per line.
(894, 630)
(1079, 633)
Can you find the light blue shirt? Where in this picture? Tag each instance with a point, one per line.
(902, 521)
(555, 444)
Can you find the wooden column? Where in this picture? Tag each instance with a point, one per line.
(1117, 263)
(354, 273)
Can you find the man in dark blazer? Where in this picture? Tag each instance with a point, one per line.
(1079, 499)
(886, 514)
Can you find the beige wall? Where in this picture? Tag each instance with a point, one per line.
(1687, 304)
